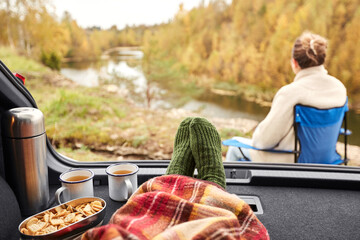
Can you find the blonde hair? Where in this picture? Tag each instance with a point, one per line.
(309, 50)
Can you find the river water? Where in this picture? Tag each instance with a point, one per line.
(124, 70)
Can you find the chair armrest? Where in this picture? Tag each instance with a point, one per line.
(236, 143)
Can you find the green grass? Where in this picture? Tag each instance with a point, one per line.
(21, 64)
(82, 115)
(82, 123)
(139, 140)
(81, 104)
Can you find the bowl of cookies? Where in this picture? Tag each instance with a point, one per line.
(64, 221)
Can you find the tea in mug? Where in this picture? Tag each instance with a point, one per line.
(76, 178)
(121, 172)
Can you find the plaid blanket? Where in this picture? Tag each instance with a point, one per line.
(179, 207)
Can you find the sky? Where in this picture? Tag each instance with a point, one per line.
(106, 13)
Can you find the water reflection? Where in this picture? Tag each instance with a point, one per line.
(123, 69)
(86, 77)
(85, 73)
(214, 105)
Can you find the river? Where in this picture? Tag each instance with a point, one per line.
(123, 69)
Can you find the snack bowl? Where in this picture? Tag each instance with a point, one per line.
(73, 229)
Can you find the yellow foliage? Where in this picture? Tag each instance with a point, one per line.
(244, 42)
(251, 41)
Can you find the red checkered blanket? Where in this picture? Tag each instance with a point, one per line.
(179, 207)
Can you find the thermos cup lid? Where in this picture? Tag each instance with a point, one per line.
(22, 122)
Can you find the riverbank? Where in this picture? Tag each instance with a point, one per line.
(102, 123)
(136, 134)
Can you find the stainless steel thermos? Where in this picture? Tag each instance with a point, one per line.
(24, 141)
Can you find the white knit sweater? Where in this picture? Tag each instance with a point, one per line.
(312, 87)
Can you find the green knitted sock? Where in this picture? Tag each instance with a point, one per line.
(182, 160)
(205, 143)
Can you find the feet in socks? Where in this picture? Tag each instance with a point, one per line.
(205, 144)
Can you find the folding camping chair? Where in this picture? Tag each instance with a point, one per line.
(316, 132)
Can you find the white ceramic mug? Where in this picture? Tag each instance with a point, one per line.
(75, 183)
(122, 179)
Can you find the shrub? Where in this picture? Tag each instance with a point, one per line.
(51, 60)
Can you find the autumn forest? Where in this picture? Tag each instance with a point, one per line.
(244, 45)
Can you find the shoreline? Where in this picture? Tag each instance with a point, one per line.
(157, 145)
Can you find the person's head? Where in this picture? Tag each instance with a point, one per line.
(309, 50)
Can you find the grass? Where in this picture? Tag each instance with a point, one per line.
(91, 124)
(80, 114)
(19, 63)
(91, 117)
(95, 119)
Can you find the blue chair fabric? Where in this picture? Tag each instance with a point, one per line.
(317, 132)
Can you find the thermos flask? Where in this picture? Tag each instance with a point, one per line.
(24, 141)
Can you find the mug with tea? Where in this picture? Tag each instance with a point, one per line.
(122, 179)
(75, 183)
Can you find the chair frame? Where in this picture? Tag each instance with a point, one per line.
(298, 143)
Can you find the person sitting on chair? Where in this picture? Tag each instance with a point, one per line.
(312, 86)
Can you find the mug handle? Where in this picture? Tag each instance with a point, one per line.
(129, 188)
(58, 194)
